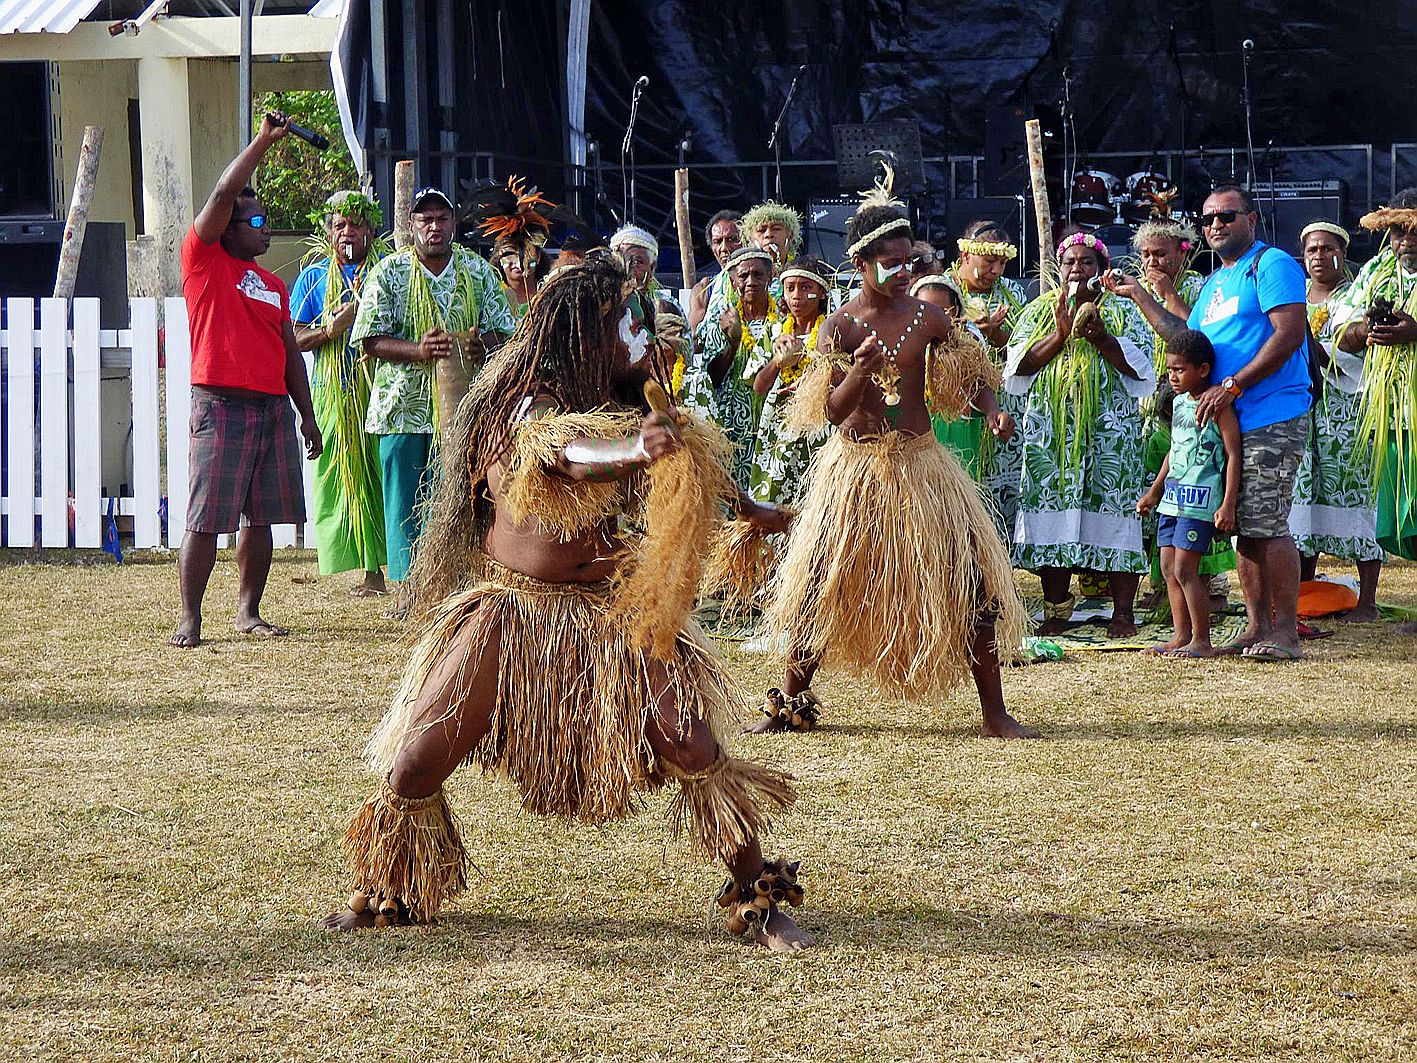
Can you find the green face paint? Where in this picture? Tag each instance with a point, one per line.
(883, 274)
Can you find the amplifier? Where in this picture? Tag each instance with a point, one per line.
(825, 237)
(1287, 206)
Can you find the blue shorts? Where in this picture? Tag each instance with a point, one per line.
(1183, 533)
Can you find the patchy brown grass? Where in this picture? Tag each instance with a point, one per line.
(1204, 860)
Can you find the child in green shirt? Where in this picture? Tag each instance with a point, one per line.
(1201, 470)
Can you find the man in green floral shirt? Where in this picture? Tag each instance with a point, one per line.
(419, 305)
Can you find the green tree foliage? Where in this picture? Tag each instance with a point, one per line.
(294, 178)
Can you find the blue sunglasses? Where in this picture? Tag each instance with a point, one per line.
(256, 221)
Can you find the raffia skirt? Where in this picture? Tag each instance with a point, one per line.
(575, 697)
(892, 564)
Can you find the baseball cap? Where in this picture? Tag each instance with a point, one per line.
(431, 193)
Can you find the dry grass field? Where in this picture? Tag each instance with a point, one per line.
(1203, 860)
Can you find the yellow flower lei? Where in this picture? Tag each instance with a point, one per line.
(994, 248)
(793, 373)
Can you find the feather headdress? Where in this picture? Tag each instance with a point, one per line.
(512, 212)
(882, 191)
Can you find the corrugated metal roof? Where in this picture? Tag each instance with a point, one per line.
(43, 16)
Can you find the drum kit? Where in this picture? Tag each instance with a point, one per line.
(1102, 199)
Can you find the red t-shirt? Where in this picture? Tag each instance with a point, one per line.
(237, 313)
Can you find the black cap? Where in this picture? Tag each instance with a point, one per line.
(431, 193)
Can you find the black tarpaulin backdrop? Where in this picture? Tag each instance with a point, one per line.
(1323, 72)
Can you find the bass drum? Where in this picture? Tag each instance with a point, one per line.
(1092, 197)
(1149, 195)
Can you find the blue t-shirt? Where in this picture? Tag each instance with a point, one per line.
(307, 294)
(1232, 310)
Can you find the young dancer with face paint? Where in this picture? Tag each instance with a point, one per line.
(893, 571)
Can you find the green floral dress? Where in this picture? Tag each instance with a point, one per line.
(1000, 465)
(781, 457)
(1082, 475)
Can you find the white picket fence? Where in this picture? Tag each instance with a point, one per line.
(52, 458)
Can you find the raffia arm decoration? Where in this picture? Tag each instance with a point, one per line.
(728, 805)
(740, 563)
(1390, 218)
(657, 588)
(955, 371)
(406, 850)
(532, 488)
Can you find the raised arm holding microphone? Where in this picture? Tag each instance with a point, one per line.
(246, 374)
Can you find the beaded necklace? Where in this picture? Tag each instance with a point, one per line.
(888, 378)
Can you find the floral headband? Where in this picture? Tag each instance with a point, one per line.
(806, 274)
(990, 248)
(1085, 240)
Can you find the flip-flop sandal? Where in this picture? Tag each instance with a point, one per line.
(266, 630)
(1272, 652)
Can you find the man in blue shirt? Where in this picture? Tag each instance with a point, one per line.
(1252, 311)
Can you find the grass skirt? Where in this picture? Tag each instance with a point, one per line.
(893, 561)
(575, 697)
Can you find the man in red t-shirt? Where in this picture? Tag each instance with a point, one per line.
(246, 372)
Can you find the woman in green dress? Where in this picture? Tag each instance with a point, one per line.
(1082, 359)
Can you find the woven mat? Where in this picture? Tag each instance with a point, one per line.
(1089, 630)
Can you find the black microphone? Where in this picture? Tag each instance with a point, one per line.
(1248, 45)
(316, 140)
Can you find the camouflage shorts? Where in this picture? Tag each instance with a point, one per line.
(1269, 461)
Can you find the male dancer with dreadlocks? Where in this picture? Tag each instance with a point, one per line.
(349, 497)
(541, 659)
(894, 570)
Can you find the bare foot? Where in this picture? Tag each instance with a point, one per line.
(1052, 626)
(346, 920)
(1121, 627)
(254, 625)
(1362, 614)
(1005, 726)
(188, 634)
(764, 725)
(780, 934)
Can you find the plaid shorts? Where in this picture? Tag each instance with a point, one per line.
(1269, 461)
(244, 462)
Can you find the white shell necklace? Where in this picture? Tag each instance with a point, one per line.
(888, 379)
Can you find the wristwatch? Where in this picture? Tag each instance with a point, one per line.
(1233, 388)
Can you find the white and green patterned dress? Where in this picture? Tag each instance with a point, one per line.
(401, 400)
(781, 457)
(1334, 511)
(1002, 465)
(1081, 480)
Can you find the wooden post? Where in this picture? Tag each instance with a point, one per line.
(1047, 263)
(681, 223)
(403, 202)
(77, 223)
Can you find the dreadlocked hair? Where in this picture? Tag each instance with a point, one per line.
(563, 347)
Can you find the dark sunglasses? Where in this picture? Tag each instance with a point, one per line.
(916, 263)
(1225, 217)
(256, 221)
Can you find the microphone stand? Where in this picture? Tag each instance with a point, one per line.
(627, 150)
(775, 141)
(1246, 47)
(1185, 106)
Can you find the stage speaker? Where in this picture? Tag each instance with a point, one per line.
(825, 237)
(1006, 212)
(1287, 206)
(826, 227)
(29, 256)
(1004, 169)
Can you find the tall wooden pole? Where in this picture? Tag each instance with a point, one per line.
(1047, 261)
(681, 223)
(78, 220)
(403, 202)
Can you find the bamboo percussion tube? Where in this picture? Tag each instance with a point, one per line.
(1041, 210)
